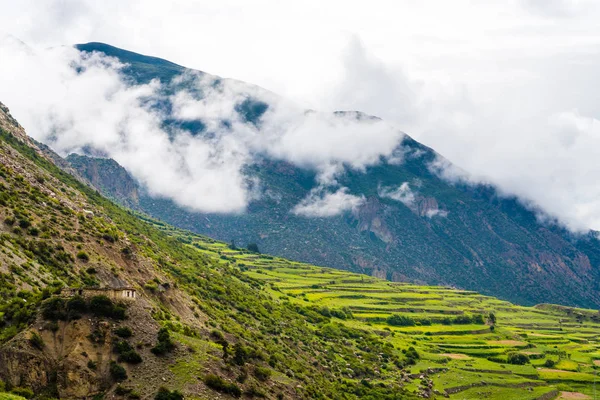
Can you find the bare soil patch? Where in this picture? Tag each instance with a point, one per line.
(456, 356)
(507, 342)
(573, 395)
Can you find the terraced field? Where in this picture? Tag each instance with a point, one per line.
(469, 346)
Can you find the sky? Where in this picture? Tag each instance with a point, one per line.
(504, 89)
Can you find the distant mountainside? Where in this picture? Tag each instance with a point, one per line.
(413, 225)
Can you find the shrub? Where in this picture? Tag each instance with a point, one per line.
(92, 364)
(102, 306)
(124, 332)
(77, 304)
(549, 363)
(54, 309)
(36, 341)
(166, 394)
(131, 357)
(23, 392)
(219, 384)
(117, 372)
(241, 354)
(400, 320)
(262, 373)
(517, 359)
(83, 256)
(165, 344)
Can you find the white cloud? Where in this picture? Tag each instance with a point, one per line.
(403, 194)
(505, 90)
(91, 107)
(436, 212)
(325, 204)
(412, 199)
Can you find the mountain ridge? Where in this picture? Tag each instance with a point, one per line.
(432, 231)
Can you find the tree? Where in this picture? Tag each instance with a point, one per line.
(253, 247)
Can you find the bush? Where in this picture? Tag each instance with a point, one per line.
(23, 392)
(262, 373)
(241, 354)
(219, 384)
(54, 309)
(117, 372)
(166, 394)
(131, 357)
(400, 320)
(77, 304)
(549, 363)
(102, 306)
(36, 341)
(165, 344)
(83, 256)
(517, 359)
(124, 332)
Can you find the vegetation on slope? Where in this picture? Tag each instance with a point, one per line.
(219, 321)
(465, 344)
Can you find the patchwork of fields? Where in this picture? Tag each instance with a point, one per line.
(470, 346)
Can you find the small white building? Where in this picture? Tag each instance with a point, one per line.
(122, 293)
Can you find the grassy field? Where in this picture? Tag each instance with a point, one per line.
(466, 341)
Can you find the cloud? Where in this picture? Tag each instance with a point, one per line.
(556, 8)
(75, 101)
(78, 101)
(436, 212)
(411, 199)
(403, 194)
(504, 90)
(325, 204)
(523, 136)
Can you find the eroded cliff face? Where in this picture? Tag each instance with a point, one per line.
(60, 367)
(73, 359)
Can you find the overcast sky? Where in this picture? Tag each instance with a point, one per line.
(505, 89)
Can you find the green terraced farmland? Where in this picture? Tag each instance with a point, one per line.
(464, 345)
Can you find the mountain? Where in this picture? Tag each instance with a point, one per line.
(413, 224)
(100, 302)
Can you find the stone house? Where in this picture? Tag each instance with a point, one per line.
(121, 293)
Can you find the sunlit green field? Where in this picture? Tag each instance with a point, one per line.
(464, 354)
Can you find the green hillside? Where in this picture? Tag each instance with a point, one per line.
(198, 327)
(469, 346)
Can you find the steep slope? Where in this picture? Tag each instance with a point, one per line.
(413, 225)
(198, 324)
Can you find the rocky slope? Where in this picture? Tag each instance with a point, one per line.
(435, 231)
